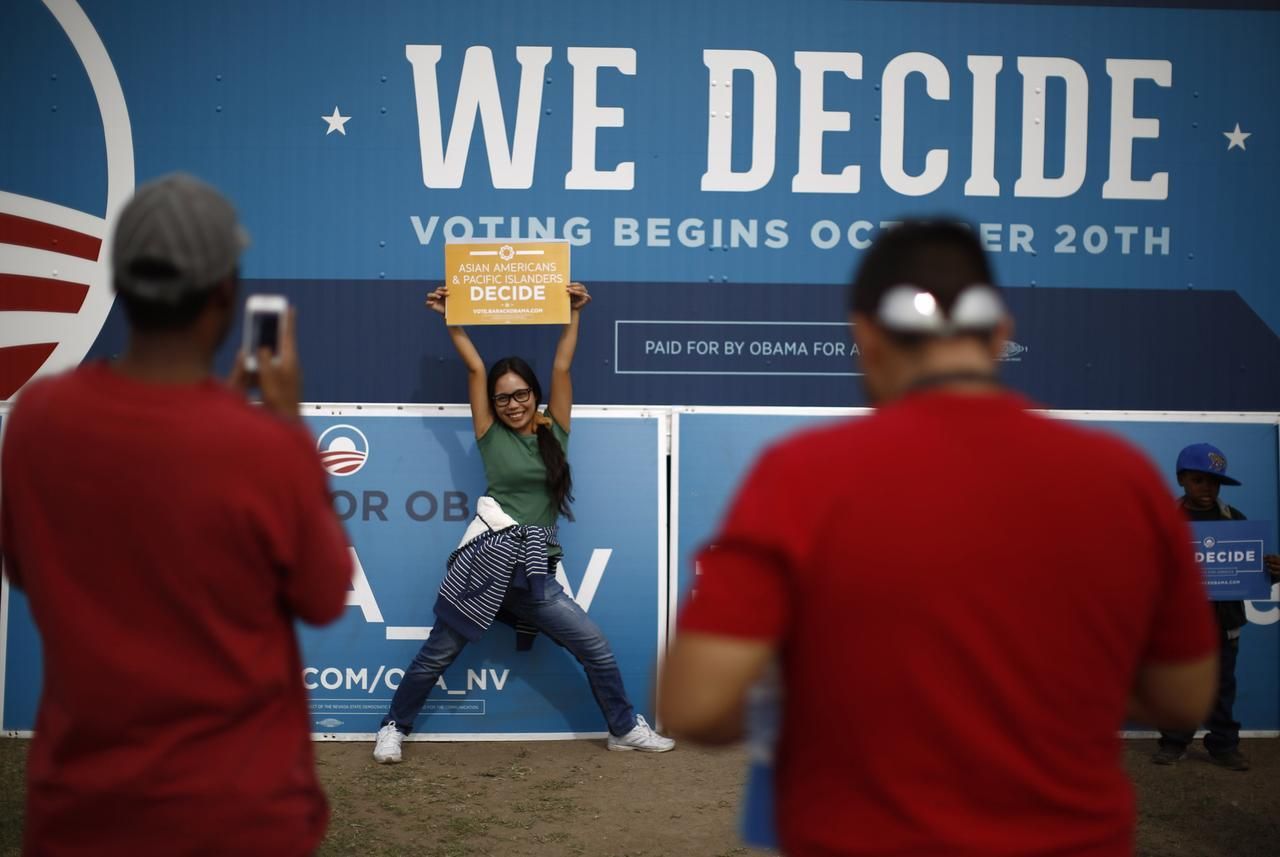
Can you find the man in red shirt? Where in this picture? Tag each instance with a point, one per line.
(965, 599)
(167, 533)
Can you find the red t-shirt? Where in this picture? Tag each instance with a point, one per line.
(962, 592)
(167, 536)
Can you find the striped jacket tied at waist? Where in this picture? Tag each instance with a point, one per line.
(495, 554)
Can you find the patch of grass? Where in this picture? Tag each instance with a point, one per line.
(343, 839)
(13, 771)
(556, 785)
(546, 807)
(459, 826)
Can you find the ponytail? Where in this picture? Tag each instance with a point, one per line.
(559, 479)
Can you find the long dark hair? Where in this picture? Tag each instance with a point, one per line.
(559, 479)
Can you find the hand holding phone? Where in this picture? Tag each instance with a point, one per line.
(268, 359)
(264, 322)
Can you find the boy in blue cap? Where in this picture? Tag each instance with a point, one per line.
(1202, 471)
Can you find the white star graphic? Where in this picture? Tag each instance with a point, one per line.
(1236, 137)
(337, 121)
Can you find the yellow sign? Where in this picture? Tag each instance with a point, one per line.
(507, 282)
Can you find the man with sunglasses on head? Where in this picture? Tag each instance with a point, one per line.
(963, 613)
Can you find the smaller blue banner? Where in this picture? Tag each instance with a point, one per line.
(1230, 554)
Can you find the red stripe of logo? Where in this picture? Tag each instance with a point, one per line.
(18, 363)
(40, 294)
(45, 236)
(333, 459)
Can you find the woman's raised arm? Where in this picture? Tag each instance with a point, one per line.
(560, 402)
(477, 386)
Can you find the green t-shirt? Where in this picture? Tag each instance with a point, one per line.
(516, 475)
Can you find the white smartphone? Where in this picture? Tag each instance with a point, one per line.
(264, 321)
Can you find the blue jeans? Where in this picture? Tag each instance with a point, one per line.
(1224, 729)
(557, 616)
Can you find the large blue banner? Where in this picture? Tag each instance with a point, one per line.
(1251, 450)
(713, 451)
(406, 480)
(405, 484)
(20, 661)
(719, 168)
(406, 487)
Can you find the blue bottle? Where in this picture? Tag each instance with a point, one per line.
(764, 720)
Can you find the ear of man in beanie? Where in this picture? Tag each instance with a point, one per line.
(176, 236)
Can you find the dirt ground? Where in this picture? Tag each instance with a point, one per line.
(563, 798)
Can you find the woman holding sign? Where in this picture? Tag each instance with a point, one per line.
(505, 566)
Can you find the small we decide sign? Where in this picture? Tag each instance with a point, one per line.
(507, 282)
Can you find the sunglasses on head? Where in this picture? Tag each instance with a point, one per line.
(910, 309)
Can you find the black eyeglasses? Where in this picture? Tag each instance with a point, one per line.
(504, 399)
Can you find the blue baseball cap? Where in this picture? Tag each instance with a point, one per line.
(1205, 458)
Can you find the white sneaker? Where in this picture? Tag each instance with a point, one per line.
(642, 738)
(387, 749)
